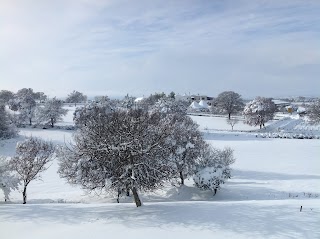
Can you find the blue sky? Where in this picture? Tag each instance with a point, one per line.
(266, 48)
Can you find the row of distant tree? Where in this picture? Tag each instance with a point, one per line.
(31, 107)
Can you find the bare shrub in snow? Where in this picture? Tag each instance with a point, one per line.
(259, 111)
(31, 159)
(51, 111)
(118, 151)
(314, 112)
(229, 101)
(232, 122)
(8, 181)
(213, 168)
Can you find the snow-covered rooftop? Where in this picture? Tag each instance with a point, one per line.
(203, 104)
(195, 105)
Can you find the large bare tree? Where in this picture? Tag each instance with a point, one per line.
(229, 101)
(118, 151)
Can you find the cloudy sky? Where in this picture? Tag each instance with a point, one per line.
(114, 47)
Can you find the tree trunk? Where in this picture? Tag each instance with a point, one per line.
(127, 190)
(24, 194)
(30, 121)
(214, 192)
(52, 123)
(136, 197)
(182, 179)
(229, 115)
(118, 198)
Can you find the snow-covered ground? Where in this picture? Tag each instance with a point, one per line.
(272, 178)
(242, 220)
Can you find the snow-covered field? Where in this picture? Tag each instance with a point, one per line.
(272, 178)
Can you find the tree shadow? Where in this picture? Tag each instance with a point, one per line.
(266, 219)
(256, 175)
(233, 137)
(8, 146)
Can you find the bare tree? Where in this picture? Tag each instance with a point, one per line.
(232, 122)
(25, 100)
(31, 159)
(229, 101)
(51, 111)
(118, 151)
(76, 97)
(259, 111)
(314, 112)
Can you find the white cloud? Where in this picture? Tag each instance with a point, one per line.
(145, 46)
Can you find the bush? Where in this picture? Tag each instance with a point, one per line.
(213, 168)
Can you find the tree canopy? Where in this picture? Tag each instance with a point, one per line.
(230, 102)
(259, 111)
